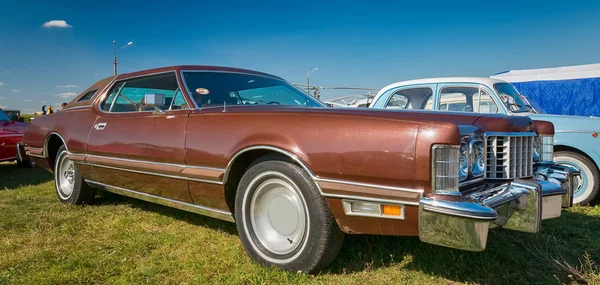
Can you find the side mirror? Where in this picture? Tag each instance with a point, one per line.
(155, 100)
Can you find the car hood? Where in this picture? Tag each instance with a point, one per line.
(467, 123)
(16, 127)
(570, 123)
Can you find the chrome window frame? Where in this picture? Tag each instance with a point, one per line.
(481, 87)
(394, 91)
(114, 82)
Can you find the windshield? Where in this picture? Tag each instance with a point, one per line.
(511, 98)
(220, 88)
(4, 117)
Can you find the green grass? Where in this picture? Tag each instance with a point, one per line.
(118, 240)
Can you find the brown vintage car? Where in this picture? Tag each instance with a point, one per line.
(295, 176)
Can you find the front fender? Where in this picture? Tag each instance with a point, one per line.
(582, 141)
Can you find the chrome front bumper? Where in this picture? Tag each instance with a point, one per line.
(463, 222)
(563, 176)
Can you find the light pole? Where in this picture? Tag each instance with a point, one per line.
(115, 54)
(310, 70)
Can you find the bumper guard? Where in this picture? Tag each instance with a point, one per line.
(463, 222)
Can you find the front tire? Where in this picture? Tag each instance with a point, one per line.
(588, 186)
(70, 186)
(282, 219)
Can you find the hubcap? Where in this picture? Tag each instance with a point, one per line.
(278, 216)
(583, 184)
(65, 174)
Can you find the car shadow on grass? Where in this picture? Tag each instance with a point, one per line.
(510, 257)
(12, 177)
(107, 198)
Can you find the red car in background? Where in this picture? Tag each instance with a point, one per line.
(11, 133)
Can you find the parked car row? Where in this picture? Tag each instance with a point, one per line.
(576, 142)
(295, 176)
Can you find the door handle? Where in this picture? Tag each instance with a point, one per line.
(99, 126)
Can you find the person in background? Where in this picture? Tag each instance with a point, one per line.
(44, 110)
(50, 110)
(63, 105)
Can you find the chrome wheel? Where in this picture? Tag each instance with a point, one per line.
(278, 215)
(65, 176)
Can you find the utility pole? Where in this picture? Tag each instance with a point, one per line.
(310, 70)
(115, 58)
(115, 49)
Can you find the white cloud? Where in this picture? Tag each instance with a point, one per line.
(1, 83)
(8, 71)
(67, 94)
(56, 24)
(67, 86)
(27, 100)
(15, 90)
(44, 101)
(2, 97)
(3, 107)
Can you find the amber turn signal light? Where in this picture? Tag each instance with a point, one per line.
(392, 210)
(594, 134)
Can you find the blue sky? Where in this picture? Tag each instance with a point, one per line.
(362, 43)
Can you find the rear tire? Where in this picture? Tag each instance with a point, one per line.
(70, 186)
(283, 220)
(589, 184)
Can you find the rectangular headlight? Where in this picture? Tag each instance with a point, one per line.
(547, 148)
(445, 167)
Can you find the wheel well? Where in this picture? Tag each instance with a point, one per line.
(572, 149)
(54, 143)
(239, 167)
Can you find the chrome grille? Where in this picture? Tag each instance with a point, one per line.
(509, 156)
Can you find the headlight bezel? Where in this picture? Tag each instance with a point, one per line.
(477, 151)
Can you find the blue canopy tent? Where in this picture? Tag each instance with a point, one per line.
(569, 90)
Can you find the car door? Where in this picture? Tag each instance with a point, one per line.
(140, 148)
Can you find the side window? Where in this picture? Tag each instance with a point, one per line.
(179, 102)
(484, 103)
(130, 94)
(87, 96)
(466, 99)
(108, 100)
(398, 101)
(418, 98)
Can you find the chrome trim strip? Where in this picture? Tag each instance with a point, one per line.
(215, 213)
(362, 198)
(265, 147)
(296, 159)
(28, 151)
(46, 140)
(11, 135)
(156, 163)
(369, 185)
(77, 107)
(510, 134)
(576, 131)
(473, 181)
(35, 155)
(152, 173)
